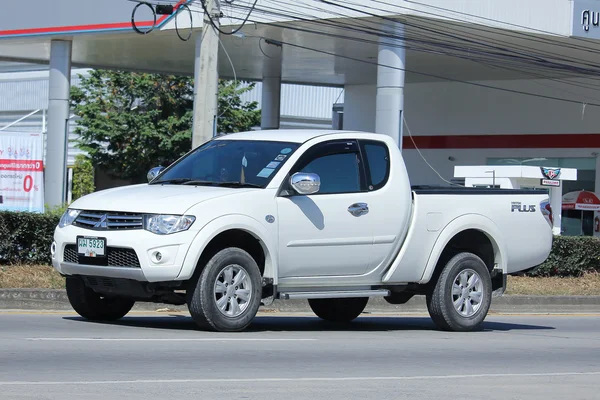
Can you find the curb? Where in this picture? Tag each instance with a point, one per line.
(56, 300)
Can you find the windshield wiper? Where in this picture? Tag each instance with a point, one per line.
(184, 181)
(174, 180)
(238, 184)
(188, 181)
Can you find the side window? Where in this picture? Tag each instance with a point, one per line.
(378, 163)
(339, 173)
(338, 164)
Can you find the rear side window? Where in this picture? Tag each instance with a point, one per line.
(377, 163)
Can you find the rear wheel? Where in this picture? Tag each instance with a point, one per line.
(227, 294)
(462, 295)
(94, 306)
(338, 310)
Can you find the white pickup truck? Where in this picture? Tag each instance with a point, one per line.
(328, 216)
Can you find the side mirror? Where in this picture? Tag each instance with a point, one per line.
(304, 183)
(154, 172)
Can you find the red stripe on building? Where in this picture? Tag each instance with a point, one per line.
(53, 29)
(537, 141)
(92, 27)
(22, 165)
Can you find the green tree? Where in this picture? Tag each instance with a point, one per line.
(83, 176)
(130, 122)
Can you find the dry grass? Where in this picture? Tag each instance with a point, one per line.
(45, 277)
(585, 286)
(30, 277)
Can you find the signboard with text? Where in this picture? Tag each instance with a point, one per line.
(21, 172)
(585, 19)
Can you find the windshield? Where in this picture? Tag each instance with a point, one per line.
(243, 163)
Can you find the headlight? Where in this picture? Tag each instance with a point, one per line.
(68, 218)
(167, 224)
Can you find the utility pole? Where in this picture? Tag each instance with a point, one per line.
(206, 76)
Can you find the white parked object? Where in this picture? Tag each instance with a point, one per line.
(327, 216)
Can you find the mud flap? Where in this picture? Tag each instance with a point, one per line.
(498, 283)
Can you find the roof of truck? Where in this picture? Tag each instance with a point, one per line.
(282, 135)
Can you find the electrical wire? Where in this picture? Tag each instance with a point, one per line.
(184, 5)
(481, 28)
(477, 84)
(254, 8)
(232, 67)
(496, 21)
(212, 22)
(528, 49)
(446, 53)
(437, 32)
(470, 50)
(261, 49)
(134, 26)
(423, 157)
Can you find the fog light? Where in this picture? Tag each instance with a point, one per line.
(159, 257)
(53, 249)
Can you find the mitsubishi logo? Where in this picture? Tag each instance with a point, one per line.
(101, 223)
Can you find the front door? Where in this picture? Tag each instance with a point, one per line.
(326, 233)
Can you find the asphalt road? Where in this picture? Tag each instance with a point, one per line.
(60, 356)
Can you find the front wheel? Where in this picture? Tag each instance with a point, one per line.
(461, 297)
(338, 310)
(227, 295)
(93, 306)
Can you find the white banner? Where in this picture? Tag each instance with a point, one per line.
(21, 172)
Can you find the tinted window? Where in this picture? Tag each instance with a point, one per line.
(247, 161)
(339, 173)
(378, 163)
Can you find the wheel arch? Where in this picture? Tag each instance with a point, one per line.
(472, 233)
(230, 231)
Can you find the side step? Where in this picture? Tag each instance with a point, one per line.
(334, 294)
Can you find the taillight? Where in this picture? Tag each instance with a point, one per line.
(547, 212)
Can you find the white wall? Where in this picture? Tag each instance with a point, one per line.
(458, 108)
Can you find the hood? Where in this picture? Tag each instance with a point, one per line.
(144, 198)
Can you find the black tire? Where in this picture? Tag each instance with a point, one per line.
(202, 302)
(440, 302)
(338, 310)
(93, 306)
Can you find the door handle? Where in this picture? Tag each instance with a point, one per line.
(358, 209)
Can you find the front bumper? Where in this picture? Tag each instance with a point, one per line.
(134, 254)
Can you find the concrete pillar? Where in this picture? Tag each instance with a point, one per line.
(55, 180)
(271, 85)
(556, 204)
(390, 87)
(206, 82)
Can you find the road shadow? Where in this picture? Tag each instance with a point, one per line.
(310, 324)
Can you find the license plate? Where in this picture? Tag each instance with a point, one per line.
(91, 246)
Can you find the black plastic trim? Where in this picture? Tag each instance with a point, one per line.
(429, 190)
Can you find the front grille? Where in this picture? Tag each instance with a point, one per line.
(116, 257)
(109, 220)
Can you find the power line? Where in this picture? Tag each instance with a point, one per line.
(438, 32)
(445, 46)
(412, 48)
(496, 21)
(441, 77)
(212, 22)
